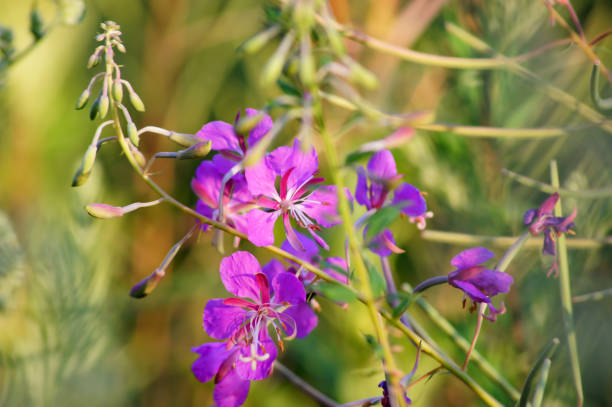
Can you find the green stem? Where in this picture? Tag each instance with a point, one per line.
(566, 295)
(465, 239)
(595, 296)
(538, 393)
(549, 189)
(297, 381)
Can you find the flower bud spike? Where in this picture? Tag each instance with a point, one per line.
(83, 99)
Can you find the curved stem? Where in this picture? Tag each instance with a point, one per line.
(430, 283)
(297, 381)
(549, 189)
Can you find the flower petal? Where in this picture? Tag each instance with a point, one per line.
(238, 275)
(310, 252)
(212, 355)
(221, 135)
(338, 263)
(382, 244)
(382, 165)
(472, 257)
(361, 190)
(471, 290)
(262, 368)
(261, 178)
(492, 282)
(271, 269)
(304, 164)
(231, 391)
(322, 206)
(410, 199)
(260, 228)
(220, 320)
(304, 317)
(260, 129)
(287, 288)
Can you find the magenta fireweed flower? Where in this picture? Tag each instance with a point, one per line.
(542, 220)
(261, 306)
(478, 282)
(298, 196)
(232, 146)
(373, 190)
(237, 200)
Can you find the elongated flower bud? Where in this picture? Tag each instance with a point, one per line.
(362, 76)
(138, 156)
(95, 108)
(83, 99)
(103, 108)
(120, 47)
(196, 151)
(184, 140)
(274, 66)
(94, 59)
(82, 174)
(118, 91)
(256, 42)
(36, 25)
(136, 101)
(148, 284)
(132, 133)
(247, 123)
(104, 211)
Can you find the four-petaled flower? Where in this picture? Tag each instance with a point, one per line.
(375, 194)
(297, 196)
(478, 282)
(542, 220)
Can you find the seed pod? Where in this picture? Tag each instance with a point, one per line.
(103, 108)
(95, 107)
(136, 101)
(118, 91)
(104, 211)
(83, 99)
(132, 133)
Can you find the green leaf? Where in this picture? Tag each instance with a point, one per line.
(381, 220)
(335, 292)
(374, 345)
(403, 305)
(36, 24)
(356, 156)
(376, 280)
(287, 88)
(547, 353)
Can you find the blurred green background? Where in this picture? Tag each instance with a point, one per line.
(69, 333)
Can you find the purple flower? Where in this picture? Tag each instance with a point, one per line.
(297, 196)
(373, 190)
(478, 282)
(542, 220)
(237, 200)
(233, 146)
(385, 402)
(257, 308)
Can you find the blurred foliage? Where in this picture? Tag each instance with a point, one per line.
(70, 335)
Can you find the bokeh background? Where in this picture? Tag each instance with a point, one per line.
(69, 333)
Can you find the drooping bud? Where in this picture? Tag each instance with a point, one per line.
(138, 156)
(104, 211)
(256, 42)
(36, 24)
(307, 64)
(196, 151)
(274, 66)
(135, 100)
(362, 76)
(84, 170)
(103, 107)
(120, 47)
(132, 133)
(148, 284)
(185, 140)
(247, 123)
(94, 59)
(303, 15)
(83, 99)
(117, 91)
(95, 108)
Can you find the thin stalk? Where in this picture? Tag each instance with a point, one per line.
(372, 401)
(549, 189)
(391, 370)
(538, 393)
(566, 295)
(392, 298)
(481, 310)
(595, 296)
(306, 388)
(551, 91)
(465, 239)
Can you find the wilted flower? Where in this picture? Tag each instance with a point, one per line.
(542, 220)
(373, 190)
(298, 196)
(478, 282)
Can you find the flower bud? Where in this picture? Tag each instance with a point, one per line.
(362, 76)
(256, 42)
(148, 284)
(121, 47)
(274, 66)
(136, 101)
(86, 166)
(104, 211)
(83, 99)
(132, 133)
(36, 25)
(103, 108)
(118, 91)
(303, 15)
(95, 107)
(247, 123)
(196, 151)
(184, 140)
(94, 59)
(138, 156)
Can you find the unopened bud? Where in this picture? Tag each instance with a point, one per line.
(94, 59)
(103, 108)
(104, 211)
(136, 101)
(184, 140)
(303, 15)
(36, 25)
(82, 174)
(95, 108)
(247, 123)
(138, 156)
(132, 133)
(83, 99)
(121, 47)
(196, 151)
(362, 76)
(274, 66)
(307, 68)
(147, 285)
(118, 91)
(256, 42)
